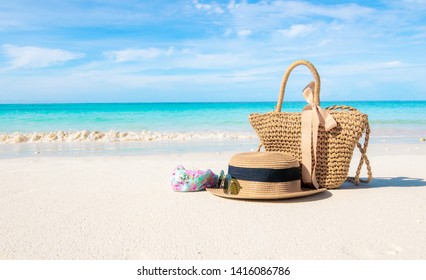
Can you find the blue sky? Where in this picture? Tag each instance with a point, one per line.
(200, 50)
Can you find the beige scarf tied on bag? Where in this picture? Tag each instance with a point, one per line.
(312, 116)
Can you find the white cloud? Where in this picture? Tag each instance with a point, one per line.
(322, 43)
(36, 57)
(419, 2)
(244, 32)
(349, 12)
(127, 55)
(412, 4)
(209, 8)
(231, 5)
(394, 63)
(346, 12)
(263, 16)
(194, 60)
(228, 32)
(297, 30)
(151, 54)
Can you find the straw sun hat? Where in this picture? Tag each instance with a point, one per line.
(262, 175)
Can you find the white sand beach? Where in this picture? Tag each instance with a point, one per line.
(122, 207)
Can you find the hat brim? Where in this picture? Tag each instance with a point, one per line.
(305, 192)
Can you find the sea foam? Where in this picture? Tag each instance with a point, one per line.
(115, 136)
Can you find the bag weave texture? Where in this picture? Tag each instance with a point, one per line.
(281, 132)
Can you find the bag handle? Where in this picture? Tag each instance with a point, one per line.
(356, 180)
(286, 76)
(363, 149)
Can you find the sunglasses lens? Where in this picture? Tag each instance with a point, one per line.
(220, 179)
(227, 184)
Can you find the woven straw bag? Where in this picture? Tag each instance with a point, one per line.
(329, 153)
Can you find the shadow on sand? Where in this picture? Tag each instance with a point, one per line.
(390, 182)
(381, 182)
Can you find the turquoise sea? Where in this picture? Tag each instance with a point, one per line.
(177, 122)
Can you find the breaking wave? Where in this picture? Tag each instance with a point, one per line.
(114, 136)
